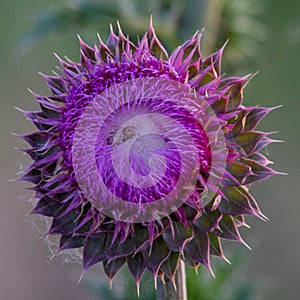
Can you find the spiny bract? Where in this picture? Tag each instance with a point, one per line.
(192, 232)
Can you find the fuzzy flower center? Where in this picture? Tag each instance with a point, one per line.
(140, 147)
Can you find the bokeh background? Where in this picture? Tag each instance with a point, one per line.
(25, 269)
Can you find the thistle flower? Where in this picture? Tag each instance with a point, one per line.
(131, 126)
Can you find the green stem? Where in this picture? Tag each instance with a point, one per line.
(166, 291)
(212, 24)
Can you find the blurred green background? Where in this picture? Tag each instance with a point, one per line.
(25, 272)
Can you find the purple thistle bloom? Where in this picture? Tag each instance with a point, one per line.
(95, 149)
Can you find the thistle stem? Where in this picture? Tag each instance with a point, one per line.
(212, 25)
(166, 291)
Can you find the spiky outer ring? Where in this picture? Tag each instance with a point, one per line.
(192, 233)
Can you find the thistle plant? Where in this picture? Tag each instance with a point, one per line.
(145, 158)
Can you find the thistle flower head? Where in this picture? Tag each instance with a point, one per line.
(144, 158)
